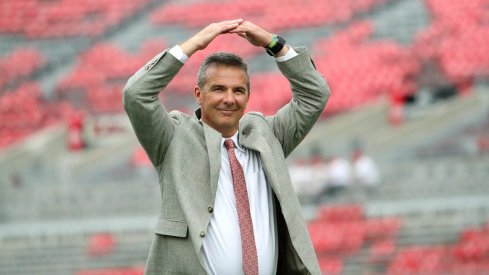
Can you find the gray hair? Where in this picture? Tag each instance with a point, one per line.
(224, 59)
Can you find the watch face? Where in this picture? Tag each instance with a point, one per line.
(277, 47)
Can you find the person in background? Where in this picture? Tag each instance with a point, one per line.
(365, 170)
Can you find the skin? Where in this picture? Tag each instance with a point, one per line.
(224, 96)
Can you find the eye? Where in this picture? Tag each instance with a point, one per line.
(217, 89)
(240, 91)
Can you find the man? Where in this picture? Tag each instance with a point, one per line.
(205, 163)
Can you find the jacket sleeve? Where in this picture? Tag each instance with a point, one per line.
(310, 93)
(153, 126)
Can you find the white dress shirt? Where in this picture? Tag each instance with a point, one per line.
(221, 248)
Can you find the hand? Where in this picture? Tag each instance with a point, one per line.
(256, 35)
(206, 35)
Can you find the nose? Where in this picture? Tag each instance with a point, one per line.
(229, 97)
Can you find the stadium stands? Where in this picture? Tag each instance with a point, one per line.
(270, 14)
(385, 250)
(95, 84)
(15, 69)
(452, 36)
(90, 211)
(63, 18)
(23, 112)
(363, 71)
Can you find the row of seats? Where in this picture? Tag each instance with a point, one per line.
(348, 237)
(384, 68)
(64, 18)
(361, 71)
(358, 69)
(24, 112)
(106, 62)
(113, 271)
(340, 231)
(469, 255)
(18, 64)
(96, 83)
(455, 38)
(273, 15)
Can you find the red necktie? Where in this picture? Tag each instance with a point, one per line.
(248, 246)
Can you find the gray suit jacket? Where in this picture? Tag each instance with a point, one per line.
(186, 154)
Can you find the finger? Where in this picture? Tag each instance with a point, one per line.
(228, 22)
(228, 26)
(242, 34)
(241, 28)
(234, 23)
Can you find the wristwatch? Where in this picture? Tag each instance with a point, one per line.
(276, 45)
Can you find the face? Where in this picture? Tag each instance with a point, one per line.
(223, 98)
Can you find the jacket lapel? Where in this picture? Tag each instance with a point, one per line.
(213, 142)
(249, 138)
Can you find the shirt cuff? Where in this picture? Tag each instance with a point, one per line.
(178, 53)
(288, 55)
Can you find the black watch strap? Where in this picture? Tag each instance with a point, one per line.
(277, 44)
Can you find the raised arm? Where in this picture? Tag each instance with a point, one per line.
(310, 91)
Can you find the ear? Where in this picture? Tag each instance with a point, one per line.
(197, 94)
(247, 98)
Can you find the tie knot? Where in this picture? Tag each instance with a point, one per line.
(229, 143)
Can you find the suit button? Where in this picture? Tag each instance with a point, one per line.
(202, 234)
(210, 209)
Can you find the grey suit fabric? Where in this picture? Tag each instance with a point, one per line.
(186, 154)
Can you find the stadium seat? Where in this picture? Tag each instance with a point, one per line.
(419, 260)
(341, 213)
(381, 251)
(14, 68)
(101, 244)
(330, 265)
(270, 14)
(113, 271)
(384, 228)
(64, 18)
(24, 112)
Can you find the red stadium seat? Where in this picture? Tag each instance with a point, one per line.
(64, 18)
(24, 112)
(113, 271)
(269, 14)
(385, 228)
(419, 260)
(101, 244)
(341, 213)
(330, 265)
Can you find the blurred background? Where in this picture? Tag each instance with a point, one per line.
(393, 179)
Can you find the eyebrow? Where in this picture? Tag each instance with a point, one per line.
(224, 86)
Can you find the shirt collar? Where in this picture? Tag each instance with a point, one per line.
(235, 140)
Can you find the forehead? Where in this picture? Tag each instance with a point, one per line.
(225, 75)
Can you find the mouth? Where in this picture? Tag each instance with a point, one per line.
(227, 112)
